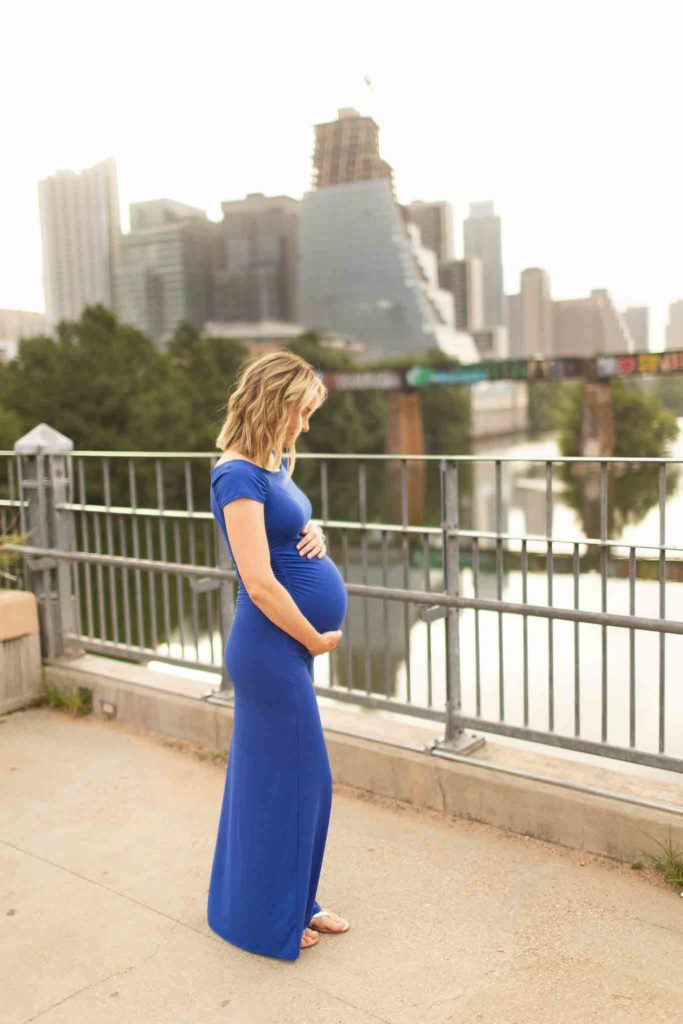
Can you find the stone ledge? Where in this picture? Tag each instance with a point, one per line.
(18, 614)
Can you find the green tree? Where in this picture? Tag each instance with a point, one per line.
(102, 383)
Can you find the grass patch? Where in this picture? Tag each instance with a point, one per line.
(669, 863)
(77, 700)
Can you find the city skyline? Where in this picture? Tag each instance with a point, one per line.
(595, 214)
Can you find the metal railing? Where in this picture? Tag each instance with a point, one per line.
(125, 562)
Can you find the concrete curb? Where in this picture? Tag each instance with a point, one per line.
(552, 808)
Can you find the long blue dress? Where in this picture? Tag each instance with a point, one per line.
(278, 787)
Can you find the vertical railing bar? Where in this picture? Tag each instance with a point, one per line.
(549, 570)
(632, 648)
(163, 551)
(348, 631)
(135, 532)
(576, 565)
(477, 637)
(324, 493)
(385, 615)
(180, 602)
(192, 547)
(363, 519)
(603, 592)
(525, 628)
(101, 609)
(125, 580)
(499, 587)
(207, 538)
(152, 587)
(333, 658)
(427, 586)
(85, 546)
(662, 604)
(405, 549)
(106, 480)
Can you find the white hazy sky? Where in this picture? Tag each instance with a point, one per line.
(567, 114)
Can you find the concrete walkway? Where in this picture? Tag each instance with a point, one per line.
(106, 839)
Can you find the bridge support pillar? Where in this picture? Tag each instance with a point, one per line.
(405, 436)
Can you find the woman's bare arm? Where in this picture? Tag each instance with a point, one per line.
(244, 521)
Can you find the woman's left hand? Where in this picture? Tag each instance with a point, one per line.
(313, 541)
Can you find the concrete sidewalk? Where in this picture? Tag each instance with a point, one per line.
(106, 839)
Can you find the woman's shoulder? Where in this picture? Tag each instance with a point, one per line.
(223, 461)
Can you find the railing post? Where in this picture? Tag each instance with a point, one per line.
(42, 457)
(451, 568)
(455, 738)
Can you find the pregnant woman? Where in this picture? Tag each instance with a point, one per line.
(291, 601)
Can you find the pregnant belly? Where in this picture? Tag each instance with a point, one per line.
(316, 585)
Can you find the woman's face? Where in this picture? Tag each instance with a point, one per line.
(298, 420)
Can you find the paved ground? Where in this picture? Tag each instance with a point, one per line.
(106, 839)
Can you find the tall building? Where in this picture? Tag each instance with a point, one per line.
(513, 320)
(80, 227)
(637, 319)
(464, 280)
(363, 269)
(165, 267)
(674, 328)
(482, 234)
(256, 276)
(348, 150)
(536, 313)
(435, 221)
(20, 323)
(16, 324)
(591, 326)
(492, 342)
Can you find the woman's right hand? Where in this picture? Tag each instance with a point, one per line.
(325, 642)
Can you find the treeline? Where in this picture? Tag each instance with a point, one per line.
(105, 385)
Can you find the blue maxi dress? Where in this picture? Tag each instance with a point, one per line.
(277, 799)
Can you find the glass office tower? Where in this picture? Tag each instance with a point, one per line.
(362, 274)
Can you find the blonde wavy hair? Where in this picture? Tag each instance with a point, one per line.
(266, 391)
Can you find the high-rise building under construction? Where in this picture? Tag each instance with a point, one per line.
(363, 271)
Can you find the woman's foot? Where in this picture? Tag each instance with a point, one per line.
(327, 921)
(309, 938)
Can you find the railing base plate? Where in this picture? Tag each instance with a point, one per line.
(464, 743)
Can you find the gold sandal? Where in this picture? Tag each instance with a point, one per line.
(328, 931)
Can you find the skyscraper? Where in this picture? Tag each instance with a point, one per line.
(256, 279)
(164, 272)
(513, 320)
(435, 221)
(674, 328)
(536, 313)
(482, 232)
(463, 279)
(348, 150)
(363, 270)
(80, 227)
(637, 320)
(590, 326)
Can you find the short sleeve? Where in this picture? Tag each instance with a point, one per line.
(239, 480)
